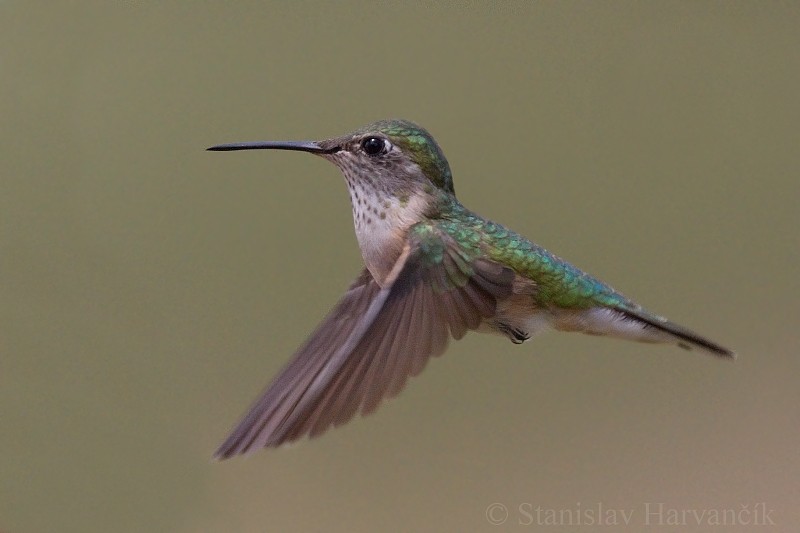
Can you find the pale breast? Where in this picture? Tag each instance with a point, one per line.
(381, 224)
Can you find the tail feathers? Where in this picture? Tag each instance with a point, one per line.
(683, 337)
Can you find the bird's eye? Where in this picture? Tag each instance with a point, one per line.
(375, 145)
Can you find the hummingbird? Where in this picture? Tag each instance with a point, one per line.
(433, 270)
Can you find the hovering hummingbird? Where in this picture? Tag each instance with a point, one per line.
(433, 270)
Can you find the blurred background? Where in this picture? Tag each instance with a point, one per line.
(151, 289)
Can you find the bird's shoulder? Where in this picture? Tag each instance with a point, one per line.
(558, 282)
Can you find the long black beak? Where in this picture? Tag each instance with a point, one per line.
(299, 146)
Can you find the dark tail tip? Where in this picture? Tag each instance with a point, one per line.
(686, 338)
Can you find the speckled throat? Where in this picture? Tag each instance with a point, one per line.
(381, 216)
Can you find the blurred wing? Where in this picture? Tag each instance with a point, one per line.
(373, 339)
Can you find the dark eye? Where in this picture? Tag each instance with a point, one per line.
(375, 145)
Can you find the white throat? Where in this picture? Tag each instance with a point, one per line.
(381, 222)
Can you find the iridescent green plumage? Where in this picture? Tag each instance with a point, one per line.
(418, 144)
(433, 270)
(560, 283)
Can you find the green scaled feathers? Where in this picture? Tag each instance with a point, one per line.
(558, 283)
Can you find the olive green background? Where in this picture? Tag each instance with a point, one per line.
(150, 289)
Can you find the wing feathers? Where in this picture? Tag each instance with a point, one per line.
(373, 340)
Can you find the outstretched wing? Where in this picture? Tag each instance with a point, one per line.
(374, 339)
